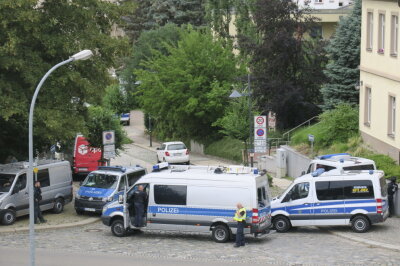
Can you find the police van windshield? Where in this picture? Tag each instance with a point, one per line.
(100, 181)
(6, 181)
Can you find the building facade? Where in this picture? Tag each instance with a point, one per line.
(380, 76)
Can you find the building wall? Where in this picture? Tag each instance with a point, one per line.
(380, 72)
(323, 4)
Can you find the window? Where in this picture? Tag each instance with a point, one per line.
(262, 197)
(381, 34)
(316, 32)
(392, 116)
(173, 147)
(101, 181)
(325, 167)
(319, 1)
(299, 191)
(329, 190)
(383, 184)
(367, 108)
(370, 30)
(21, 182)
(43, 177)
(170, 194)
(134, 177)
(358, 189)
(359, 167)
(122, 183)
(394, 35)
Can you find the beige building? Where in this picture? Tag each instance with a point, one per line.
(380, 76)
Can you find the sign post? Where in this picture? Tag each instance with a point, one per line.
(260, 134)
(311, 139)
(109, 145)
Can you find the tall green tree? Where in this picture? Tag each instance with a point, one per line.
(33, 38)
(344, 53)
(187, 90)
(151, 14)
(286, 66)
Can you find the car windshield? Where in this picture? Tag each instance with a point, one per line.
(174, 147)
(6, 181)
(100, 181)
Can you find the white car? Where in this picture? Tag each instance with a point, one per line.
(173, 152)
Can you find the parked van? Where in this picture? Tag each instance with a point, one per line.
(356, 198)
(55, 178)
(86, 159)
(340, 161)
(195, 199)
(100, 186)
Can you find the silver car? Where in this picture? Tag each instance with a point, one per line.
(56, 182)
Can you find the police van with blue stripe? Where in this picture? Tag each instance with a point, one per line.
(104, 185)
(195, 199)
(356, 198)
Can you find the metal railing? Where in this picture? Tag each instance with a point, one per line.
(300, 125)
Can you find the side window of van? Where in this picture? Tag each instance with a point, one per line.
(325, 167)
(122, 183)
(309, 170)
(299, 191)
(43, 177)
(21, 182)
(358, 189)
(329, 190)
(170, 194)
(359, 167)
(133, 177)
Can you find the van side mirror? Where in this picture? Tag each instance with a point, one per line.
(158, 148)
(121, 199)
(303, 173)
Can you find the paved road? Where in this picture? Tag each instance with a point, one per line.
(302, 246)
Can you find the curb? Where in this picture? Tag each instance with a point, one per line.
(366, 241)
(48, 227)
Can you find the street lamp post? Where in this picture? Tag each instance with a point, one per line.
(82, 55)
(236, 94)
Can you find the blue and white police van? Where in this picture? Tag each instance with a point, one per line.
(101, 186)
(356, 198)
(195, 199)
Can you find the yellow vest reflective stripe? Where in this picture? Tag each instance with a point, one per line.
(238, 217)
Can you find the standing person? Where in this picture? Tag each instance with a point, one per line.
(139, 199)
(240, 217)
(392, 188)
(37, 198)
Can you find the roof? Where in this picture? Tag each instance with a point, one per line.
(14, 168)
(341, 174)
(342, 160)
(119, 169)
(231, 173)
(173, 142)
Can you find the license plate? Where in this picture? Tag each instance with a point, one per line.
(177, 154)
(90, 209)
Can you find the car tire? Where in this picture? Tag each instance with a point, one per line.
(118, 229)
(188, 162)
(58, 205)
(79, 212)
(360, 224)
(220, 233)
(281, 224)
(9, 217)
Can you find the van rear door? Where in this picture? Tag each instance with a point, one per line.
(86, 158)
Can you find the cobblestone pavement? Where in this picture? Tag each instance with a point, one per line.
(302, 246)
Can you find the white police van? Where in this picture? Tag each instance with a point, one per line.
(356, 198)
(195, 199)
(340, 161)
(102, 186)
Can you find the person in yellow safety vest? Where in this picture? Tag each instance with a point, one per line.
(240, 217)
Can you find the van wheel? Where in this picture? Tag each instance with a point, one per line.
(220, 234)
(58, 205)
(281, 224)
(9, 217)
(360, 224)
(117, 228)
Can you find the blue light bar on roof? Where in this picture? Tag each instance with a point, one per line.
(327, 156)
(160, 166)
(112, 168)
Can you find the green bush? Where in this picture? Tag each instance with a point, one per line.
(385, 163)
(228, 148)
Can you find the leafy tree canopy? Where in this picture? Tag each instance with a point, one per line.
(187, 90)
(344, 52)
(33, 38)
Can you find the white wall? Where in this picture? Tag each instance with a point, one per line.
(323, 4)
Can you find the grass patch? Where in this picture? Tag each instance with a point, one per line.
(228, 148)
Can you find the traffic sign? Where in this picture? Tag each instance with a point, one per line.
(260, 149)
(108, 137)
(310, 137)
(260, 142)
(260, 121)
(260, 134)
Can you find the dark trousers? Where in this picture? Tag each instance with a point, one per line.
(139, 210)
(240, 234)
(38, 213)
(391, 205)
